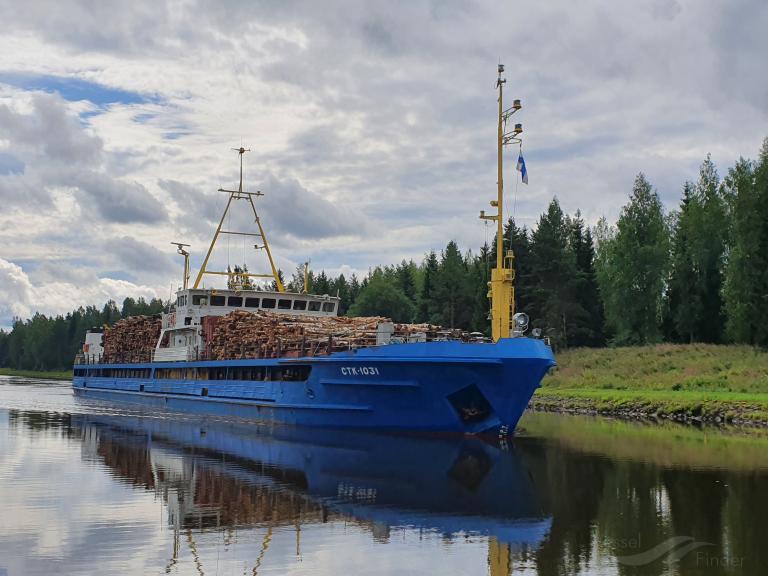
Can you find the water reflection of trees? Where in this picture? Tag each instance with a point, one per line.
(612, 508)
(200, 495)
(602, 506)
(35, 421)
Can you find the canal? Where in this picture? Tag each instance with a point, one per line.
(88, 487)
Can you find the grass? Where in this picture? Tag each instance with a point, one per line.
(48, 375)
(691, 381)
(667, 444)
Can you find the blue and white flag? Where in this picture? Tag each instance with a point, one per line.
(521, 168)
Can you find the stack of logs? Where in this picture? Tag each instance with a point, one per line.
(131, 339)
(269, 335)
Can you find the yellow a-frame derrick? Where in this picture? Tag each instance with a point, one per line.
(240, 194)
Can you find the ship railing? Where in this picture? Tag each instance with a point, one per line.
(82, 358)
(175, 354)
(126, 357)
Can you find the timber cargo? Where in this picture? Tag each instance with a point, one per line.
(260, 352)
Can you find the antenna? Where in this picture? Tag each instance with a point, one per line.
(180, 250)
(241, 278)
(240, 151)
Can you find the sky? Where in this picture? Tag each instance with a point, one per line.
(371, 125)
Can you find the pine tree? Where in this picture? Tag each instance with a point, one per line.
(746, 280)
(426, 307)
(3, 348)
(587, 295)
(684, 301)
(404, 274)
(554, 305)
(761, 187)
(321, 285)
(698, 254)
(480, 275)
(354, 289)
(452, 294)
(110, 313)
(634, 267)
(710, 253)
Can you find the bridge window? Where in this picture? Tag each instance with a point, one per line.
(218, 300)
(329, 306)
(299, 304)
(268, 302)
(251, 302)
(199, 300)
(314, 306)
(284, 304)
(235, 301)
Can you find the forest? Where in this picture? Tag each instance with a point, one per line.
(697, 273)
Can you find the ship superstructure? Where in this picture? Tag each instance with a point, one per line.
(414, 379)
(183, 337)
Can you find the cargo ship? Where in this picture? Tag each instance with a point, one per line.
(284, 357)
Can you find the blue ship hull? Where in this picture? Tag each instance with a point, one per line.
(432, 386)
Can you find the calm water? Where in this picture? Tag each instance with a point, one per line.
(96, 488)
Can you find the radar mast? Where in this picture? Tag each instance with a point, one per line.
(240, 276)
(501, 287)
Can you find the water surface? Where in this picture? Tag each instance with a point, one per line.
(89, 487)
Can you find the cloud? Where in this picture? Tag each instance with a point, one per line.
(19, 297)
(132, 254)
(48, 132)
(292, 210)
(15, 292)
(372, 127)
(194, 206)
(116, 200)
(59, 151)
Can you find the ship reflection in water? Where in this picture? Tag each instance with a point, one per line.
(90, 488)
(256, 501)
(224, 475)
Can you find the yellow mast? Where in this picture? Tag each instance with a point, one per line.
(240, 194)
(501, 287)
(499, 558)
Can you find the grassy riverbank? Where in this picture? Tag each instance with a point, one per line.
(684, 382)
(47, 375)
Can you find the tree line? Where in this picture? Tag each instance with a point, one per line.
(698, 273)
(51, 342)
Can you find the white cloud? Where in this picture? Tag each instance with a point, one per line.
(19, 297)
(372, 126)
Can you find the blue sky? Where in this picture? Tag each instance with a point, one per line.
(372, 126)
(72, 88)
